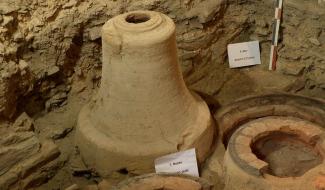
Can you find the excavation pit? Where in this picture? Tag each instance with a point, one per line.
(250, 108)
(287, 155)
(275, 153)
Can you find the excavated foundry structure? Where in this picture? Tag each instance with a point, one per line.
(254, 159)
(143, 109)
(273, 141)
(232, 116)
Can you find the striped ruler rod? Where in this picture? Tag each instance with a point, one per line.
(275, 35)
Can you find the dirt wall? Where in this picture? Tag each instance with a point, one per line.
(50, 47)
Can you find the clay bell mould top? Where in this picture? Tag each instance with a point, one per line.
(143, 94)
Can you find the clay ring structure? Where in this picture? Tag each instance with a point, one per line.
(275, 153)
(143, 109)
(232, 116)
(164, 181)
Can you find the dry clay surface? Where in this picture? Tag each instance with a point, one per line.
(48, 47)
(50, 55)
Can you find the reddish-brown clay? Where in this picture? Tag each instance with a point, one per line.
(244, 169)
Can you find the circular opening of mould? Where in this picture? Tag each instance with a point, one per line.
(287, 155)
(137, 18)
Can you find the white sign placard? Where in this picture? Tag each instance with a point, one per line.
(180, 163)
(244, 54)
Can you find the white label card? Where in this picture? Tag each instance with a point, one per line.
(244, 54)
(179, 163)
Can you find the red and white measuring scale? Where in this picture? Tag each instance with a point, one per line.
(275, 35)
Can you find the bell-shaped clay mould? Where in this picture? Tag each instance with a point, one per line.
(143, 109)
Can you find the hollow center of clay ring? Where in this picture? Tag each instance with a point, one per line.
(138, 21)
(137, 18)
